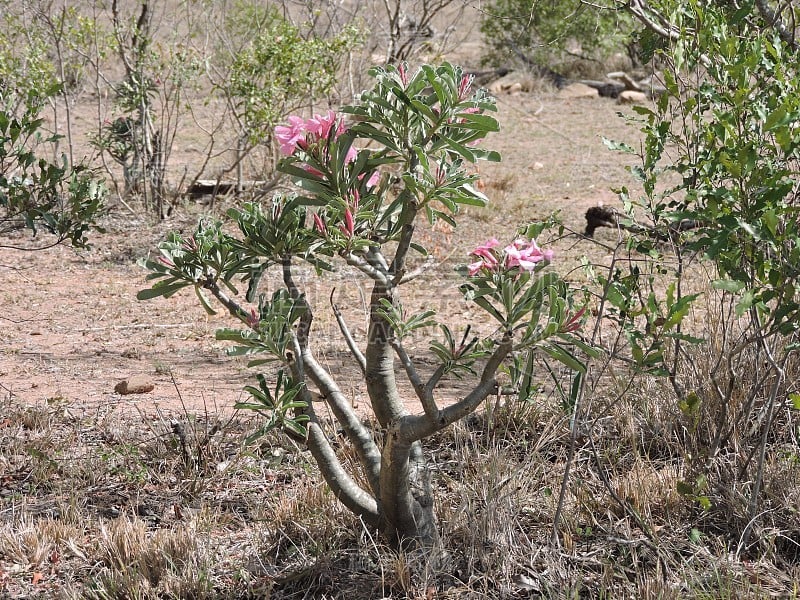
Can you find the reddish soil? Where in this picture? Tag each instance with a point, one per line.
(71, 327)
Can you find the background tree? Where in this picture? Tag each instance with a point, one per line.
(547, 37)
(265, 67)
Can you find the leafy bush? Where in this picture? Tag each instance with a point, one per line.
(719, 172)
(58, 198)
(551, 34)
(278, 67)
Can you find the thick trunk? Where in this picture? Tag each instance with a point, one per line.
(404, 502)
(381, 384)
(406, 505)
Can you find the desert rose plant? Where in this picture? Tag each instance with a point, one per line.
(365, 176)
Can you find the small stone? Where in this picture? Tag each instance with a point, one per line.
(137, 384)
(631, 97)
(130, 353)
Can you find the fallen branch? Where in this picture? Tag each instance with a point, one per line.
(603, 216)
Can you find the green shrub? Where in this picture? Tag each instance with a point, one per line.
(551, 34)
(52, 197)
(278, 68)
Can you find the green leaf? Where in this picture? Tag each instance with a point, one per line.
(488, 307)
(161, 290)
(745, 302)
(475, 198)
(477, 122)
(728, 285)
(618, 146)
(779, 116)
(203, 300)
(565, 357)
(678, 311)
(466, 153)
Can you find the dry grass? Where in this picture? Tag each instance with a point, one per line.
(91, 507)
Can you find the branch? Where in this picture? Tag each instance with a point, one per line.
(434, 380)
(453, 413)
(398, 264)
(773, 20)
(653, 20)
(430, 262)
(780, 372)
(60, 240)
(376, 259)
(424, 392)
(304, 327)
(365, 267)
(368, 452)
(417, 427)
(342, 485)
(351, 344)
(380, 376)
(233, 307)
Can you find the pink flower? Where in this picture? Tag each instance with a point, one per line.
(352, 153)
(321, 125)
(401, 70)
(464, 86)
(488, 258)
(440, 176)
(253, 319)
(373, 179)
(525, 255)
(313, 171)
(473, 268)
(189, 244)
(291, 136)
(485, 250)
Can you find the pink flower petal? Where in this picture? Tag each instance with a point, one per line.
(290, 136)
(473, 268)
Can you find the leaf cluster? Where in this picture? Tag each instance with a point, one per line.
(37, 194)
(736, 151)
(278, 65)
(426, 126)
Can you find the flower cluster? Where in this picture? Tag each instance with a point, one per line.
(305, 134)
(520, 254)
